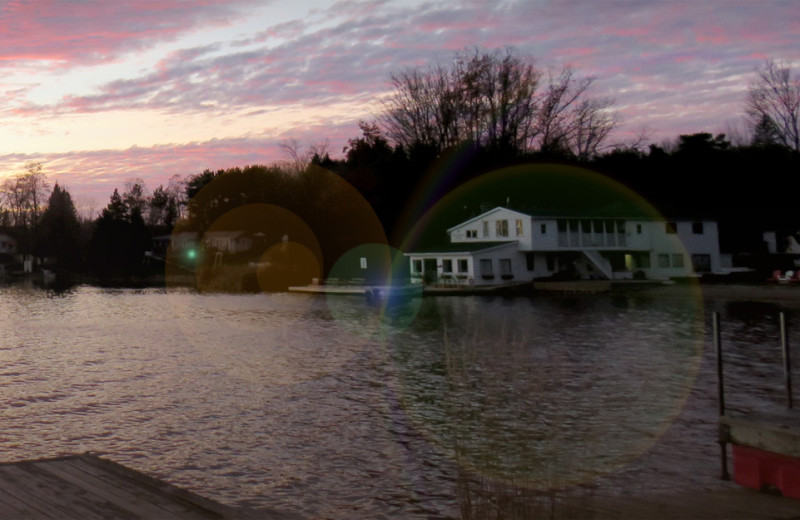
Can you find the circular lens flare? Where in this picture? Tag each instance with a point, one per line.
(568, 392)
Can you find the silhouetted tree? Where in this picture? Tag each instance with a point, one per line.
(60, 230)
(25, 195)
(120, 237)
(773, 98)
(166, 203)
(493, 101)
(765, 133)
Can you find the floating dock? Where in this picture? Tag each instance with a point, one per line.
(89, 487)
(766, 446)
(766, 450)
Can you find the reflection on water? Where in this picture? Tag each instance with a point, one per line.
(332, 408)
(547, 392)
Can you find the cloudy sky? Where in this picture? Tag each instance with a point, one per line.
(104, 91)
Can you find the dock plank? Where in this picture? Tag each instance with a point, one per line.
(33, 498)
(104, 468)
(68, 500)
(12, 507)
(83, 468)
(88, 487)
(138, 506)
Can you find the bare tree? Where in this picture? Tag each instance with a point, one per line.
(773, 100)
(492, 99)
(299, 155)
(487, 98)
(13, 190)
(556, 126)
(593, 121)
(409, 114)
(25, 195)
(37, 191)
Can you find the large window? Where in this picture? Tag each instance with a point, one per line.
(472, 233)
(677, 260)
(501, 228)
(485, 229)
(447, 266)
(519, 227)
(463, 265)
(663, 260)
(486, 268)
(697, 228)
(505, 269)
(417, 266)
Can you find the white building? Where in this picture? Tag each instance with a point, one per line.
(504, 246)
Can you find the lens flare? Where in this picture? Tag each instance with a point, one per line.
(255, 233)
(556, 398)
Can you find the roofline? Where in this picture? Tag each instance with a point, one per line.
(662, 218)
(479, 217)
(490, 248)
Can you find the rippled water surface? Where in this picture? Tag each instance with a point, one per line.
(335, 408)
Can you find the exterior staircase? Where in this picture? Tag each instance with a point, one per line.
(602, 265)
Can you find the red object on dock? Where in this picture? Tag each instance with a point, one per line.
(760, 469)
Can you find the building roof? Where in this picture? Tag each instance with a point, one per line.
(462, 247)
(614, 211)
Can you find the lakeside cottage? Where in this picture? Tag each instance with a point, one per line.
(505, 246)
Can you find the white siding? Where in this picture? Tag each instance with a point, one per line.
(484, 228)
(641, 245)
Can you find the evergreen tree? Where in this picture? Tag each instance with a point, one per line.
(60, 231)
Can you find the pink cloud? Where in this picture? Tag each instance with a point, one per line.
(93, 174)
(87, 32)
(713, 34)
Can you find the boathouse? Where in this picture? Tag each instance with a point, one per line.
(504, 246)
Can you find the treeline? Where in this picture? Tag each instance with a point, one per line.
(442, 127)
(367, 195)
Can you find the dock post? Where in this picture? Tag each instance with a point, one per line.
(723, 445)
(787, 364)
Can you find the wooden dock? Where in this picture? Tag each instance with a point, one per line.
(89, 487)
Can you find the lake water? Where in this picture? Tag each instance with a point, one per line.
(433, 408)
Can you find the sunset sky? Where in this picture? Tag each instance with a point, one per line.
(104, 91)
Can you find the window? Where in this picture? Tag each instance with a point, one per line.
(638, 229)
(505, 269)
(530, 261)
(670, 228)
(447, 266)
(543, 229)
(697, 228)
(417, 266)
(501, 228)
(472, 233)
(677, 260)
(485, 229)
(519, 227)
(363, 263)
(463, 265)
(663, 260)
(486, 268)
